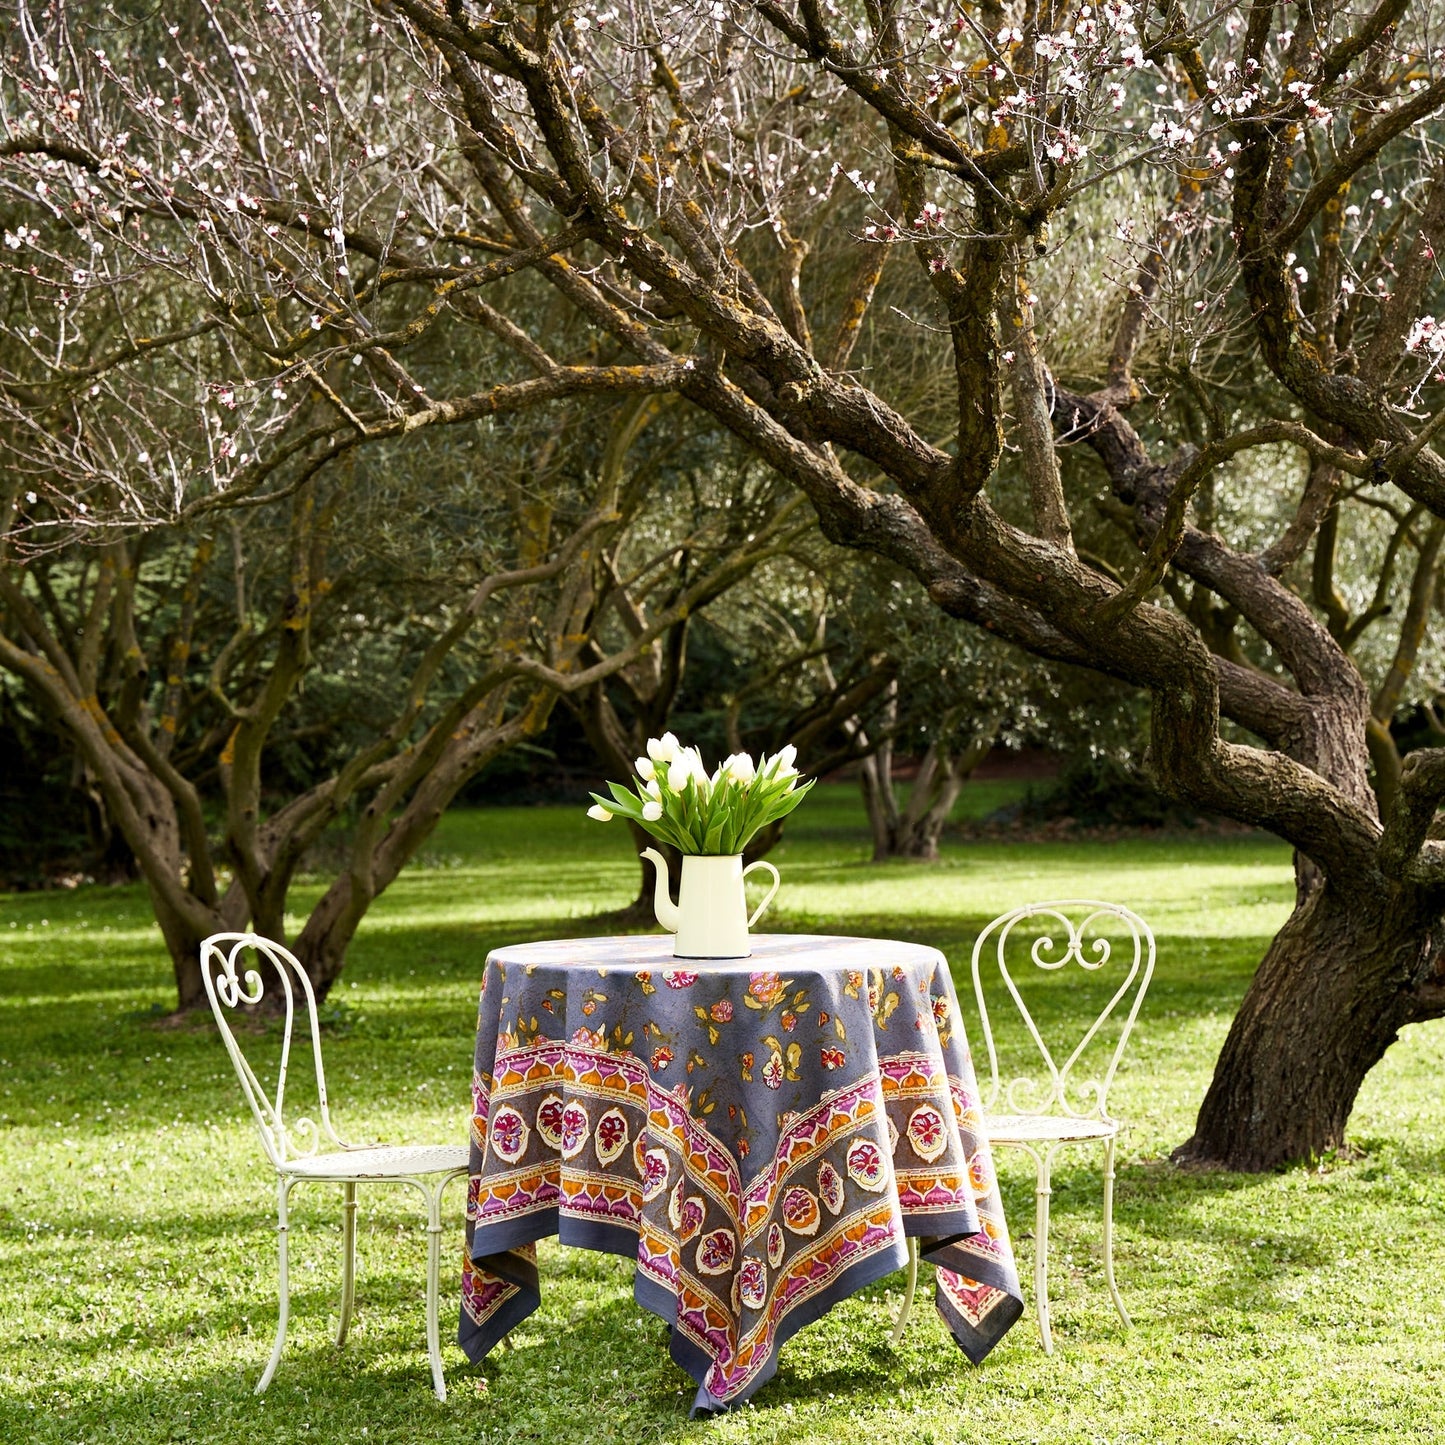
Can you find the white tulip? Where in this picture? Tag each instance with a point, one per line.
(698, 771)
(740, 766)
(651, 789)
(780, 765)
(652, 811)
(600, 813)
(678, 773)
(663, 749)
(645, 768)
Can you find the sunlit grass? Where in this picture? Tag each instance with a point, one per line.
(137, 1293)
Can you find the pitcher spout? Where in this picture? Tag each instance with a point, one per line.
(662, 904)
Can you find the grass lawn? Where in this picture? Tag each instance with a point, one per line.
(137, 1291)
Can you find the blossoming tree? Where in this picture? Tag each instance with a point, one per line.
(719, 195)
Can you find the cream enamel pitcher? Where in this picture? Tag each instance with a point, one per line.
(710, 918)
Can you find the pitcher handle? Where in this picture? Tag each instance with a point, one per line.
(758, 911)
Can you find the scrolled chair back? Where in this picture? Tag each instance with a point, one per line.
(1063, 932)
(229, 990)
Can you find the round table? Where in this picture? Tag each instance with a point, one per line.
(760, 1135)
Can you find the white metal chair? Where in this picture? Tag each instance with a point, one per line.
(293, 1148)
(1049, 1107)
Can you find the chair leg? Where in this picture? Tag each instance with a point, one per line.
(1041, 1249)
(1109, 1230)
(433, 1286)
(348, 1260)
(283, 1190)
(912, 1284)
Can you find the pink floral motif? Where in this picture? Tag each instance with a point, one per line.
(611, 1135)
(549, 1120)
(574, 1129)
(679, 978)
(661, 1058)
(773, 1070)
(675, 1202)
(926, 1133)
(830, 1187)
(766, 988)
(654, 1173)
(832, 1058)
(691, 1221)
(866, 1167)
(940, 1010)
(588, 1039)
(715, 1252)
(776, 1244)
(722, 1011)
(800, 1210)
(978, 1174)
(752, 1284)
(508, 1134)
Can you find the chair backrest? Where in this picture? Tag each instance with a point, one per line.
(1061, 934)
(228, 988)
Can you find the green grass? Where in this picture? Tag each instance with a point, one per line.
(137, 1293)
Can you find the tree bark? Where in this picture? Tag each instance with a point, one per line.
(914, 830)
(1335, 987)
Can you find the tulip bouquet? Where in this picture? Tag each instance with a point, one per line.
(675, 799)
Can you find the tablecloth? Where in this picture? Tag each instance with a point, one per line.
(758, 1135)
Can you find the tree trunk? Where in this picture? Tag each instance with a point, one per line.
(921, 838)
(914, 830)
(1337, 983)
(641, 913)
(183, 943)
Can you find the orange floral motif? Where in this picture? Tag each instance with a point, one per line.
(766, 988)
(800, 1210)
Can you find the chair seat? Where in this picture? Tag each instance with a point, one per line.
(391, 1162)
(1031, 1128)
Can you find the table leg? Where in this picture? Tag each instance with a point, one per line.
(912, 1284)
